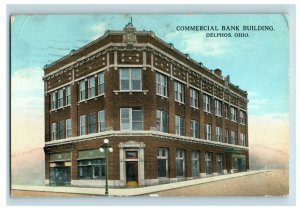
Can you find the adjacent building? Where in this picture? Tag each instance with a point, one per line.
(168, 118)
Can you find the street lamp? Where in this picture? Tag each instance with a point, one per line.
(105, 148)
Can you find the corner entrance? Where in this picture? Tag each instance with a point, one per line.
(131, 173)
(132, 164)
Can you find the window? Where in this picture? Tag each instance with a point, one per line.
(179, 124)
(101, 83)
(82, 125)
(233, 137)
(195, 163)
(91, 87)
(92, 122)
(226, 111)
(179, 92)
(218, 108)
(101, 121)
(60, 98)
(194, 96)
(219, 134)
(130, 79)
(162, 162)
(53, 101)
(91, 169)
(161, 85)
(243, 139)
(53, 131)
(233, 114)
(206, 103)
(82, 90)
(68, 95)
(162, 121)
(220, 163)
(131, 119)
(180, 163)
(208, 162)
(194, 129)
(207, 132)
(242, 117)
(227, 136)
(61, 129)
(68, 128)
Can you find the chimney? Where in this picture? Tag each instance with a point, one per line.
(218, 72)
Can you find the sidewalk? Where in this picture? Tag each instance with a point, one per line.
(132, 191)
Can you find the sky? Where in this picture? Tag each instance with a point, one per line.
(258, 64)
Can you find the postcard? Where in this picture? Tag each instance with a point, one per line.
(150, 105)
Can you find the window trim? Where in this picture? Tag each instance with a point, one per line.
(179, 128)
(178, 158)
(91, 89)
(219, 134)
(99, 84)
(179, 91)
(82, 90)
(208, 134)
(131, 118)
(160, 86)
(68, 129)
(207, 103)
(100, 121)
(81, 125)
(161, 121)
(130, 80)
(194, 98)
(218, 108)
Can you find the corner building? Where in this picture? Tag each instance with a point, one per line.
(168, 118)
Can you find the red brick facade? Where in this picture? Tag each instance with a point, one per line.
(145, 51)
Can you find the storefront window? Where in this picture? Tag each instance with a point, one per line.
(91, 169)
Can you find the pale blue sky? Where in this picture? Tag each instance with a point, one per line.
(258, 64)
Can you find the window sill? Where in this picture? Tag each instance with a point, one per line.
(88, 99)
(180, 103)
(63, 107)
(195, 107)
(130, 91)
(162, 96)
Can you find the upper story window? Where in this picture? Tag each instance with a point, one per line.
(194, 96)
(208, 132)
(101, 83)
(233, 114)
(82, 125)
(162, 121)
(227, 136)
(53, 100)
(61, 129)
(82, 90)
(161, 84)
(68, 128)
(53, 131)
(130, 79)
(91, 87)
(218, 108)
(243, 139)
(68, 95)
(101, 121)
(179, 125)
(92, 123)
(233, 137)
(179, 92)
(194, 128)
(131, 119)
(60, 98)
(242, 117)
(206, 103)
(219, 134)
(226, 111)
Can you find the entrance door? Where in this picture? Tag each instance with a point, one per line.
(61, 176)
(132, 173)
(240, 165)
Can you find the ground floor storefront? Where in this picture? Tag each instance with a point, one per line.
(139, 161)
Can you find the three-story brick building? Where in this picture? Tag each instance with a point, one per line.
(167, 117)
